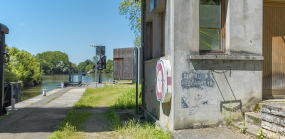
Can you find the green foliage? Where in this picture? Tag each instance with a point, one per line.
(257, 107)
(109, 67)
(92, 97)
(106, 95)
(74, 67)
(72, 125)
(23, 67)
(86, 66)
(228, 116)
(68, 129)
(243, 129)
(46, 66)
(114, 118)
(137, 41)
(134, 129)
(131, 9)
(89, 68)
(260, 134)
(128, 100)
(81, 66)
(53, 62)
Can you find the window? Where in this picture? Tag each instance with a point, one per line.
(212, 26)
(162, 21)
(148, 42)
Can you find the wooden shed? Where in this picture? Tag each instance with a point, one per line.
(123, 63)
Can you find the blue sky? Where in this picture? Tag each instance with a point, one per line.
(69, 26)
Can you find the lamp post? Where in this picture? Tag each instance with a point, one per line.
(95, 64)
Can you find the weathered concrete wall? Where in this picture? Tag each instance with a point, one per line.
(244, 27)
(198, 91)
(161, 111)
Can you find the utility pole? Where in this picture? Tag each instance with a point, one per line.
(100, 78)
(95, 64)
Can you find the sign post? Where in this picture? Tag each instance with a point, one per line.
(136, 75)
(95, 67)
(101, 64)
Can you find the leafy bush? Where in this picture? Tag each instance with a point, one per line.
(23, 67)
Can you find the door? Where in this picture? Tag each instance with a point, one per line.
(273, 49)
(118, 68)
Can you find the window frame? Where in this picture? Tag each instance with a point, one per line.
(222, 37)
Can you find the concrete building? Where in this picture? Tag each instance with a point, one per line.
(212, 53)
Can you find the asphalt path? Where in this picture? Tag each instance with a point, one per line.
(41, 118)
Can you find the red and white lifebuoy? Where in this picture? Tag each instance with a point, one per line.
(163, 81)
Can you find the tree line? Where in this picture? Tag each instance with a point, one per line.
(88, 64)
(29, 70)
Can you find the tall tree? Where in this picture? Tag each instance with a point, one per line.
(59, 60)
(109, 66)
(24, 66)
(131, 9)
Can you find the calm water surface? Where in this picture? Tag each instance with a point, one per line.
(51, 81)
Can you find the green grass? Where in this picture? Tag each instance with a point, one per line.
(71, 124)
(106, 96)
(134, 129)
(113, 97)
(114, 118)
(128, 100)
(125, 81)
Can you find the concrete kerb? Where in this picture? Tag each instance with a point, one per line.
(17, 115)
(48, 94)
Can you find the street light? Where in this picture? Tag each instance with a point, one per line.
(93, 45)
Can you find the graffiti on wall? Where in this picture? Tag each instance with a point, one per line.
(197, 101)
(202, 82)
(196, 80)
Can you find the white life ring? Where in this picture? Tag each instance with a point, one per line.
(163, 81)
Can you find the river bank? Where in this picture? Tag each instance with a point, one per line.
(50, 82)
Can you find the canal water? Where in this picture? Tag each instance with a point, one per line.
(52, 81)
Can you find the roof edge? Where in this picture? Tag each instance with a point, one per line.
(4, 28)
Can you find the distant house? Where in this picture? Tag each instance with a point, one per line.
(202, 58)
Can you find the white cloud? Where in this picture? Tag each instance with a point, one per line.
(22, 24)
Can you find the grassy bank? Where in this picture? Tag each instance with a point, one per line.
(121, 96)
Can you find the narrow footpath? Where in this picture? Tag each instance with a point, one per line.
(39, 116)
